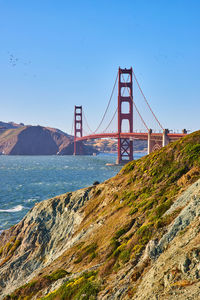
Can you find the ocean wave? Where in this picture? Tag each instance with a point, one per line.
(13, 209)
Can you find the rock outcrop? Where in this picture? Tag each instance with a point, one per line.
(135, 236)
(43, 235)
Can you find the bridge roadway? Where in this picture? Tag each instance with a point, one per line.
(134, 135)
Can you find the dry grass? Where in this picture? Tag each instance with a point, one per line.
(182, 283)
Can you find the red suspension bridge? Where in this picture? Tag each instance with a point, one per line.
(126, 111)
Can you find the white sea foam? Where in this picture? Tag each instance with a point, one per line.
(13, 209)
(32, 199)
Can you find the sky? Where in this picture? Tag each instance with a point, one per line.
(55, 54)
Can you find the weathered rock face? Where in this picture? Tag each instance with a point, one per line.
(43, 235)
(136, 236)
(173, 263)
(176, 272)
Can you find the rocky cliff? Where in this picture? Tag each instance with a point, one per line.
(135, 236)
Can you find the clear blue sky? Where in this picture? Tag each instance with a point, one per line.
(69, 51)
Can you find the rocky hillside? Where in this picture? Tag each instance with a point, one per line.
(135, 236)
(37, 140)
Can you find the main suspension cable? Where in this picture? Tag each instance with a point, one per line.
(147, 101)
(85, 119)
(110, 121)
(116, 108)
(107, 105)
(136, 106)
(72, 127)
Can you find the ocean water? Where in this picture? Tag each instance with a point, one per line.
(25, 180)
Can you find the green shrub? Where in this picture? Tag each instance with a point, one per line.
(57, 275)
(120, 232)
(162, 208)
(133, 211)
(87, 251)
(124, 256)
(192, 151)
(145, 233)
(16, 244)
(149, 205)
(129, 167)
(124, 229)
(82, 288)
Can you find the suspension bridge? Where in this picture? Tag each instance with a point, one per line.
(128, 112)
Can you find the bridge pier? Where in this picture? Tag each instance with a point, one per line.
(150, 144)
(157, 141)
(165, 139)
(125, 151)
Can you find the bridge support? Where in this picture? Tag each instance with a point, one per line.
(157, 141)
(165, 140)
(125, 145)
(78, 130)
(150, 144)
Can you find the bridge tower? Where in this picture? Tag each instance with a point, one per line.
(125, 145)
(78, 130)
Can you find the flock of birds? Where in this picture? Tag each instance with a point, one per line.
(13, 60)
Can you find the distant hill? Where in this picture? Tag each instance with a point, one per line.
(37, 140)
